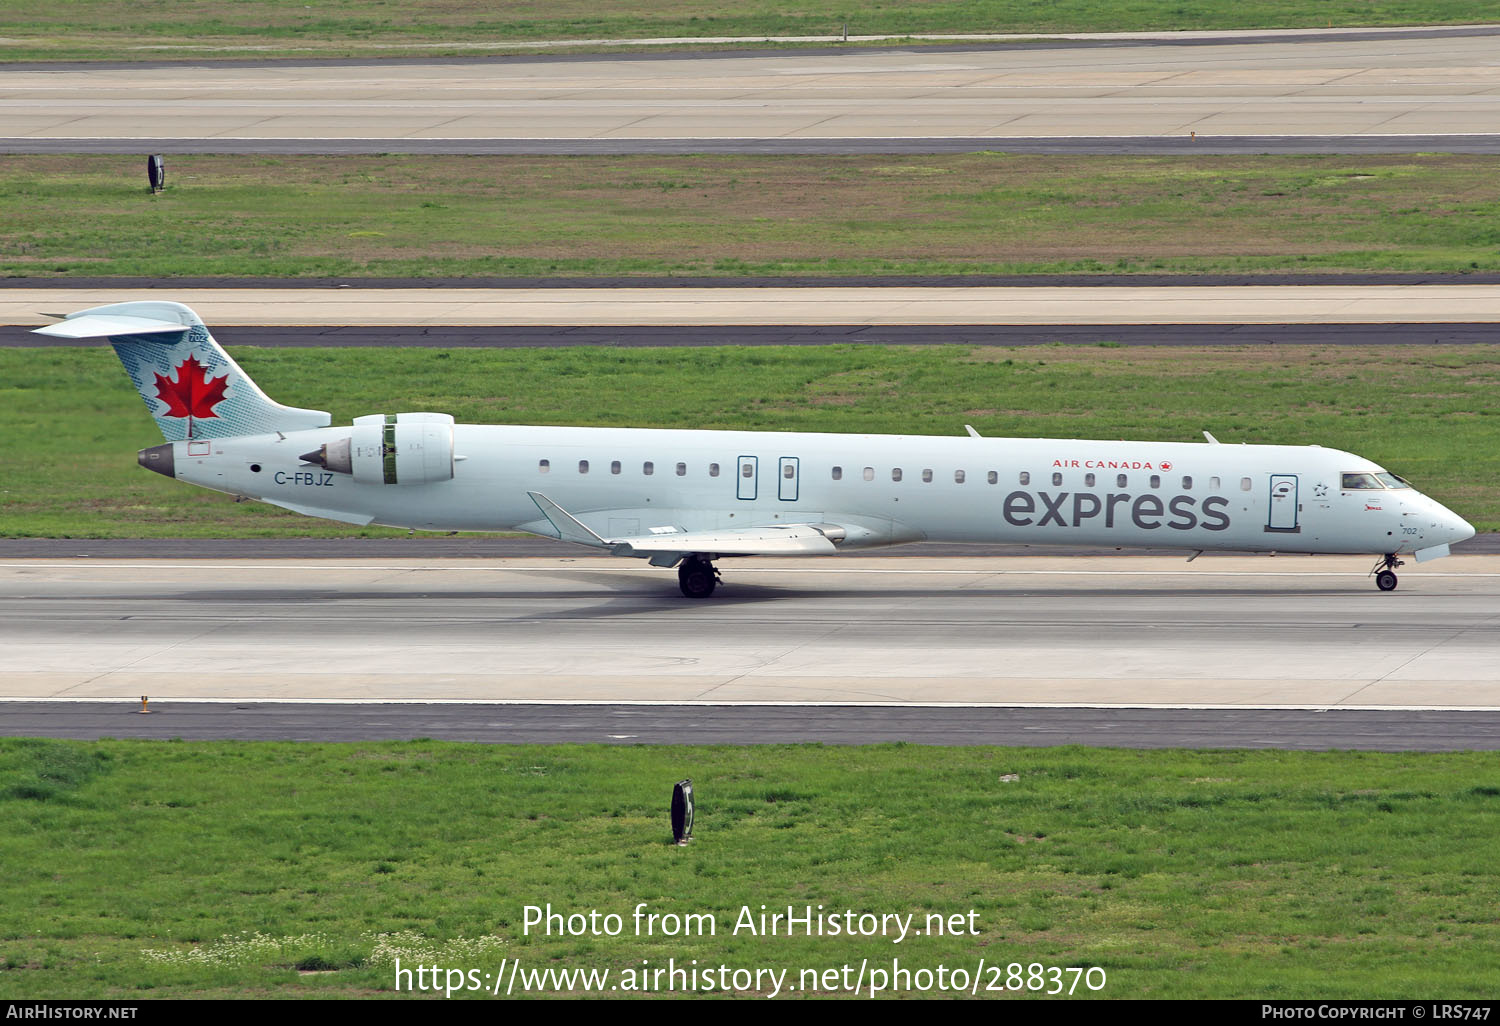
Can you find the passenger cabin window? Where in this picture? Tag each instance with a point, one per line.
(1121, 480)
(1088, 480)
(927, 476)
(1155, 480)
(648, 468)
(895, 473)
(1353, 481)
(838, 473)
(1187, 484)
(1025, 478)
(1056, 480)
(789, 471)
(1213, 484)
(614, 466)
(713, 470)
(958, 477)
(583, 466)
(748, 470)
(993, 477)
(543, 466)
(681, 469)
(1244, 484)
(869, 473)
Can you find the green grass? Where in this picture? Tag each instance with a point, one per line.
(117, 29)
(409, 216)
(1427, 413)
(174, 869)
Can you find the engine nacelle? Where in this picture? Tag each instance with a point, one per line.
(392, 448)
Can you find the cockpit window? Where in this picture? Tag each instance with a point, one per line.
(1352, 481)
(1392, 481)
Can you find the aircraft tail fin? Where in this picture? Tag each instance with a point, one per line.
(191, 386)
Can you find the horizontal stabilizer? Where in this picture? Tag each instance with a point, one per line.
(106, 325)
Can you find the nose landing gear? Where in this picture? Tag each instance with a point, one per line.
(1385, 578)
(697, 577)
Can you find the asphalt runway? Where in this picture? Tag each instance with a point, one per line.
(1325, 89)
(1292, 632)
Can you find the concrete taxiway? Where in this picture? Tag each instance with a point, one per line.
(1290, 631)
(1316, 86)
(840, 306)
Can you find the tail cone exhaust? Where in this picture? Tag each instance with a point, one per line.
(334, 456)
(158, 458)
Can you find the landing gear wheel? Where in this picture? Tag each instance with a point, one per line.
(1385, 578)
(697, 578)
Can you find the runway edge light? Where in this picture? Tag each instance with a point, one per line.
(682, 811)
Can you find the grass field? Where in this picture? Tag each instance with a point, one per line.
(1428, 413)
(747, 215)
(1180, 874)
(130, 29)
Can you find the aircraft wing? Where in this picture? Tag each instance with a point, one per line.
(791, 540)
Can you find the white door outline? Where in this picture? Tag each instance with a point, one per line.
(1282, 514)
(786, 481)
(747, 476)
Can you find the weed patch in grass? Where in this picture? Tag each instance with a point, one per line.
(41, 770)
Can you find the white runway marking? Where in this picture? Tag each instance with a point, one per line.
(698, 703)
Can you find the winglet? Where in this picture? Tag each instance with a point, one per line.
(972, 433)
(567, 525)
(1211, 439)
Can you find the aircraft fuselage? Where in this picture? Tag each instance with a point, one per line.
(882, 489)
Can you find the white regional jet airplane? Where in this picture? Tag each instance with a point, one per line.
(687, 498)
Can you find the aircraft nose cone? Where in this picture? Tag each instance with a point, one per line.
(1461, 528)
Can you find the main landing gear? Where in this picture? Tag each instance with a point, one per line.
(697, 577)
(1385, 578)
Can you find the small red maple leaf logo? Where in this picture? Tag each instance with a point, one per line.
(1165, 465)
(194, 393)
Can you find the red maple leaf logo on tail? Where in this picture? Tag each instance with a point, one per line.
(194, 393)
